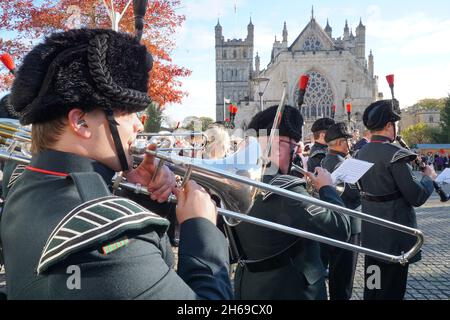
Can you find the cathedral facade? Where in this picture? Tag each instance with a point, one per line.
(340, 75)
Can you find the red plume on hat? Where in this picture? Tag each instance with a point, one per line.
(304, 79)
(333, 111)
(390, 80)
(349, 107)
(8, 62)
(303, 84)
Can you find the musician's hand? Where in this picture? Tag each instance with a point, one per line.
(321, 179)
(164, 182)
(194, 202)
(429, 171)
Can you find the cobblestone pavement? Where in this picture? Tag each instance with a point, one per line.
(428, 279)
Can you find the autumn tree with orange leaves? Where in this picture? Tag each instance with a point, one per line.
(25, 22)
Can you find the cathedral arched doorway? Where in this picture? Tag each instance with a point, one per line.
(319, 97)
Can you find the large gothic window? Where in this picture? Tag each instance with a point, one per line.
(312, 43)
(318, 98)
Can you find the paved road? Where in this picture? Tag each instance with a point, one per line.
(428, 279)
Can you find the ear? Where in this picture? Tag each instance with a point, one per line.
(322, 135)
(78, 124)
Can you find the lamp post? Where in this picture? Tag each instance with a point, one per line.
(262, 84)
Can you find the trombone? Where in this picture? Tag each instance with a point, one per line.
(223, 178)
(167, 141)
(14, 141)
(236, 181)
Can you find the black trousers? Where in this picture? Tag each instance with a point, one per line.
(342, 265)
(392, 282)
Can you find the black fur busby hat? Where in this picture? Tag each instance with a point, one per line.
(337, 131)
(86, 69)
(379, 113)
(322, 124)
(6, 109)
(290, 126)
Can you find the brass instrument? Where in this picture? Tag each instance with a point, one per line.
(340, 187)
(237, 183)
(14, 141)
(168, 141)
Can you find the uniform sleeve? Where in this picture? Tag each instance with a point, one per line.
(415, 192)
(203, 259)
(319, 220)
(142, 270)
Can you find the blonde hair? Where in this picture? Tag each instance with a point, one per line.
(45, 135)
(218, 143)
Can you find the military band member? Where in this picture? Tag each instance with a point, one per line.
(361, 143)
(81, 90)
(276, 265)
(319, 149)
(342, 263)
(390, 191)
(299, 161)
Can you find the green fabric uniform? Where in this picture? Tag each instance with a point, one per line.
(288, 267)
(55, 223)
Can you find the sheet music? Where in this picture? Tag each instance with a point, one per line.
(350, 171)
(444, 177)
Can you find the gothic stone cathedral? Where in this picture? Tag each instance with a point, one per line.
(338, 69)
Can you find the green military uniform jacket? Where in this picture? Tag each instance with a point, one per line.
(391, 177)
(55, 224)
(302, 276)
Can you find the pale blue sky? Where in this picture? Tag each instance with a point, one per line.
(408, 38)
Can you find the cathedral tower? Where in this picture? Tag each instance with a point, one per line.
(234, 69)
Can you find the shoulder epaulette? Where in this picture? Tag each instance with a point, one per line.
(16, 175)
(318, 152)
(94, 223)
(403, 154)
(284, 182)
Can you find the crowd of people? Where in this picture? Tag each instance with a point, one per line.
(80, 94)
(440, 160)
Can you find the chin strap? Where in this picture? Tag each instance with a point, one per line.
(395, 132)
(116, 138)
(291, 159)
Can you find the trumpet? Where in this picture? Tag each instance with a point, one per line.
(340, 188)
(237, 184)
